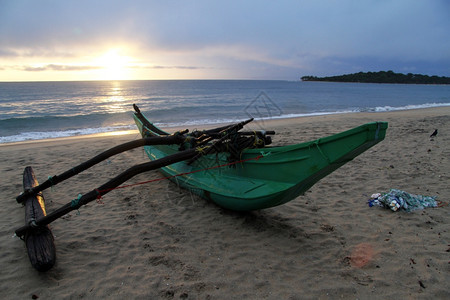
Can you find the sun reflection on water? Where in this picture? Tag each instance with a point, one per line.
(115, 99)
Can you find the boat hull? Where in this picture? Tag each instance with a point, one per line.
(266, 177)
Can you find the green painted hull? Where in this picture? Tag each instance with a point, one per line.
(268, 176)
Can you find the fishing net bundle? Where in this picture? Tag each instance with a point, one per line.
(400, 200)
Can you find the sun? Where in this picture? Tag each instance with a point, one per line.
(114, 65)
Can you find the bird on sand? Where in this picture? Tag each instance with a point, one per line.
(434, 133)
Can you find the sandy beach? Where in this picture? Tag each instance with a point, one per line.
(156, 241)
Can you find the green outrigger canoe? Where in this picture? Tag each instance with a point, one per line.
(236, 170)
(262, 177)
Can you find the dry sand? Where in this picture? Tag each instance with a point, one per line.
(157, 241)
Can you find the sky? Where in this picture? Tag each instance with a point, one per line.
(50, 40)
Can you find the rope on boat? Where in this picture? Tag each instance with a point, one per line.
(316, 143)
(75, 202)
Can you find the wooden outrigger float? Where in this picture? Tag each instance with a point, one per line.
(237, 170)
(38, 239)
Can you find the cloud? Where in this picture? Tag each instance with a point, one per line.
(173, 67)
(68, 68)
(7, 53)
(54, 67)
(35, 52)
(263, 36)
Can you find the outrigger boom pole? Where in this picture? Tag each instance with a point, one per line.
(53, 180)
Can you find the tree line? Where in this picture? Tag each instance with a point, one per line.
(382, 77)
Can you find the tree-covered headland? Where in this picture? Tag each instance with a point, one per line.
(382, 77)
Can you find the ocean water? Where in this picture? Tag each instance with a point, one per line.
(41, 110)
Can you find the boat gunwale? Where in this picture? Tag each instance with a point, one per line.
(293, 147)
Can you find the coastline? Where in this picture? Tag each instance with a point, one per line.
(105, 135)
(157, 241)
(260, 123)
